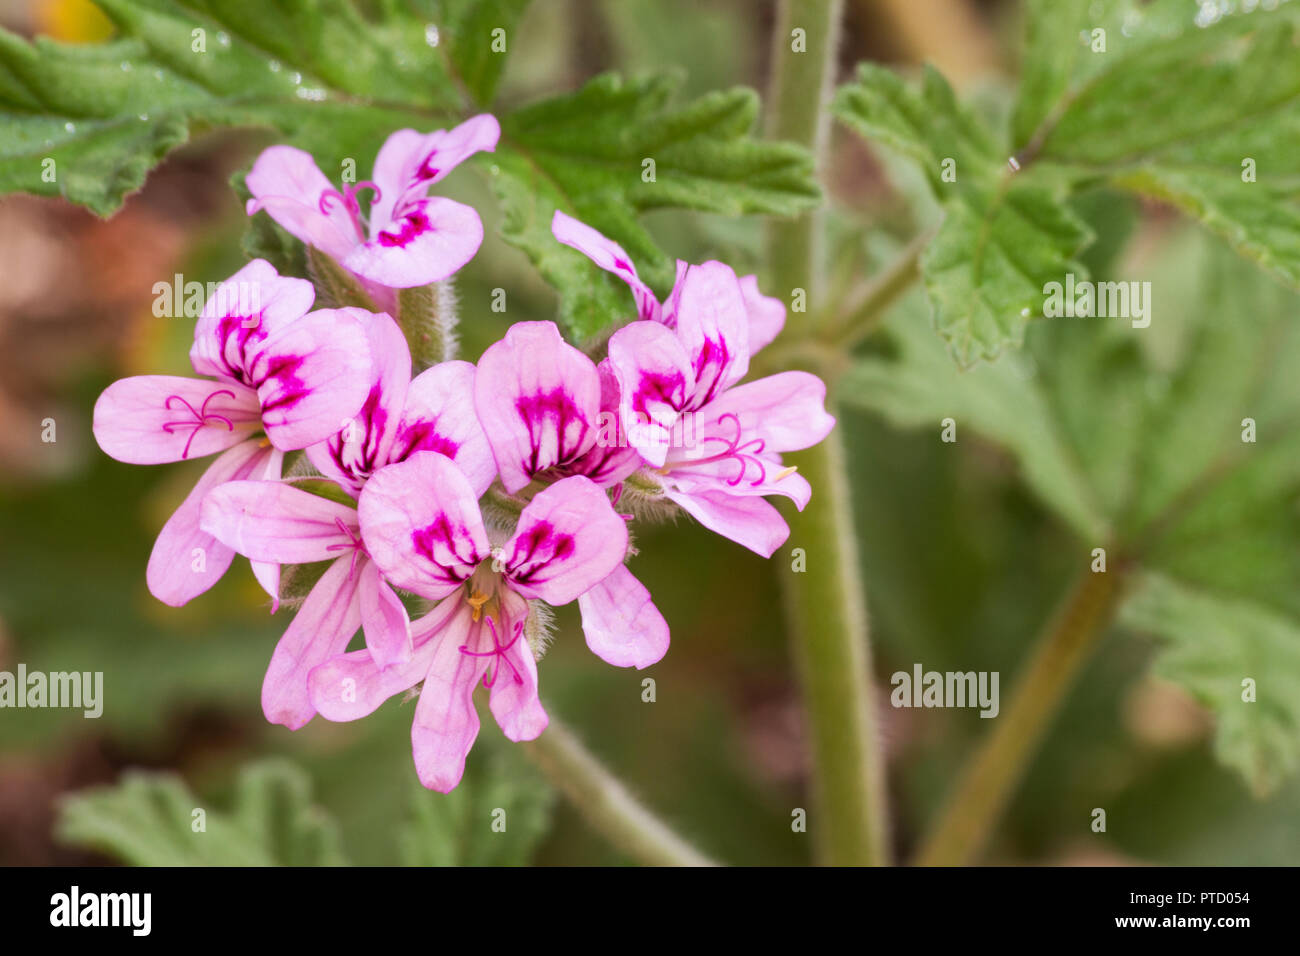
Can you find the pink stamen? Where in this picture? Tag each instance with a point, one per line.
(734, 450)
(201, 417)
(497, 651)
(354, 542)
(349, 200)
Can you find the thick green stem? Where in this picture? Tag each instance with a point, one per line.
(992, 775)
(606, 804)
(825, 607)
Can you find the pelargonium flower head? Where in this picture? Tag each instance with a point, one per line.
(765, 314)
(282, 378)
(411, 238)
(274, 523)
(421, 523)
(550, 412)
(686, 359)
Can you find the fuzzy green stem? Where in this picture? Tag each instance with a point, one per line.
(993, 774)
(825, 607)
(606, 804)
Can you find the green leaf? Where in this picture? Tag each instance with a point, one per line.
(587, 153)
(1181, 101)
(1164, 99)
(496, 817)
(152, 819)
(1002, 238)
(1213, 644)
(315, 71)
(470, 24)
(1134, 438)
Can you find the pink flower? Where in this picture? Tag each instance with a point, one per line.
(275, 523)
(421, 522)
(684, 359)
(276, 369)
(412, 239)
(540, 401)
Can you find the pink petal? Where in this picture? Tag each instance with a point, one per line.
(364, 444)
(278, 523)
(787, 411)
(445, 720)
(612, 458)
(609, 255)
(151, 419)
(396, 169)
(312, 376)
(421, 524)
(444, 150)
(749, 521)
(428, 241)
(713, 327)
(186, 561)
(383, 618)
(655, 379)
(537, 398)
(286, 183)
(622, 625)
(513, 699)
(766, 314)
(267, 573)
(568, 539)
(439, 416)
(349, 686)
(321, 629)
(242, 312)
(726, 478)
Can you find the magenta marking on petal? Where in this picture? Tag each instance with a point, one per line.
(414, 225)
(427, 172)
(559, 411)
(535, 549)
(201, 417)
(713, 356)
(423, 435)
(291, 389)
(442, 533)
(498, 651)
(658, 387)
(237, 331)
(364, 460)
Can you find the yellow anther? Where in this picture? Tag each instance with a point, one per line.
(786, 473)
(476, 601)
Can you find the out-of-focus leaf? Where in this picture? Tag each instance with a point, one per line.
(1136, 441)
(588, 153)
(1001, 240)
(478, 53)
(152, 819)
(1213, 644)
(496, 817)
(1183, 98)
(316, 71)
(1190, 105)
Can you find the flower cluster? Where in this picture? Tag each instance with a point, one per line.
(472, 497)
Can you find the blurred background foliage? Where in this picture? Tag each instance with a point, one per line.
(962, 561)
